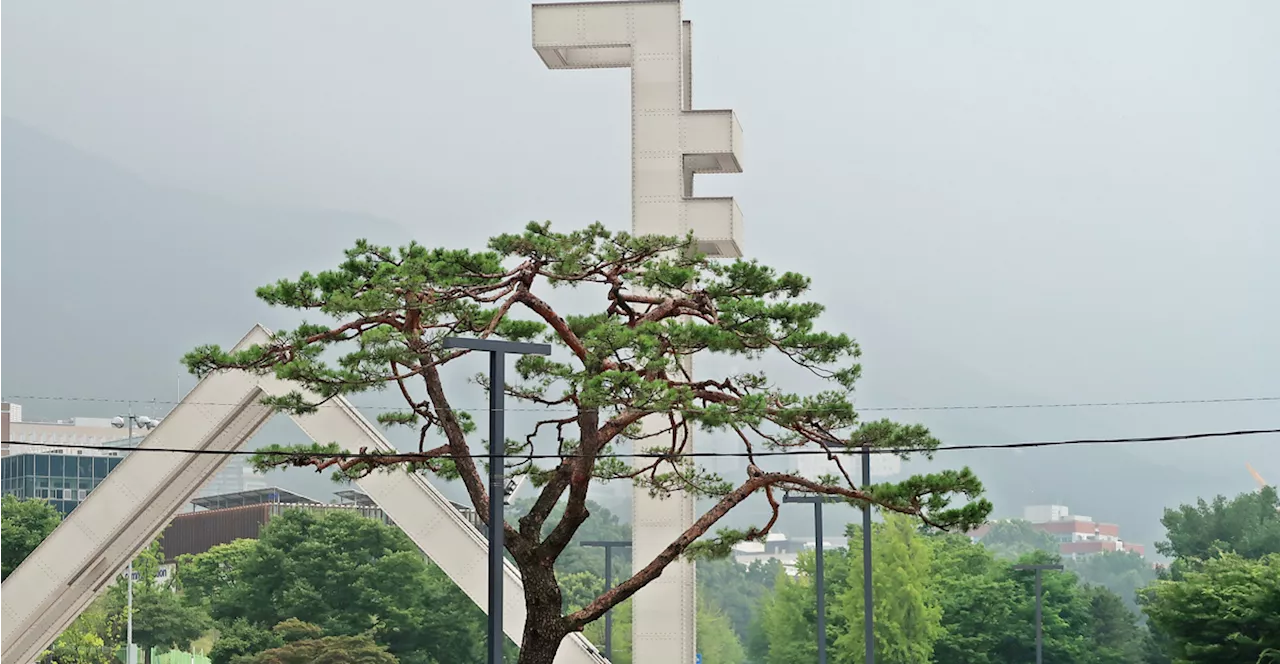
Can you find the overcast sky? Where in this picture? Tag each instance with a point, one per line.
(1004, 201)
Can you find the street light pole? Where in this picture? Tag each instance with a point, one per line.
(497, 459)
(146, 423)
(1039, 618)
(819, 571)
(868, 623)
(608, 546)
(131, 658)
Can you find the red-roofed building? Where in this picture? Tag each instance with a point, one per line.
(1077, 535)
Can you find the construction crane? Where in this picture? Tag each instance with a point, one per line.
(1258, 478)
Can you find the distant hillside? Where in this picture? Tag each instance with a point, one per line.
(108, 279)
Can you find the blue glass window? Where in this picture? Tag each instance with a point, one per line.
(112, 463)
(100, 467)
(55, 466)
(42, 463)
(86, 467)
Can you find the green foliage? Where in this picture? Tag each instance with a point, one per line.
(327, 650)
(344, 573)
(239, 638)
(1015, 538)
(983, 607)
(296, 630)
(161, 619)
(664, 301)
(616, 363)
(737, 590)
(1122, 572)
(89, 639)
(621, 634)
(1114, 629)
(23, 525)
(717, 641)
(1223, 610)
(1248, 524)
(939, 598)
(905, 606)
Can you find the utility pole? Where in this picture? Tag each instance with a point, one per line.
(608, 546)
(497, 461)
(1039, 617)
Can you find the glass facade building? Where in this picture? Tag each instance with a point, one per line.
(65, 480)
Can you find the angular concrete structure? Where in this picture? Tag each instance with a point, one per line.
(670, 143)
(137, 500)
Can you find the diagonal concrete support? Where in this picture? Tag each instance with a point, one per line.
(137, 500)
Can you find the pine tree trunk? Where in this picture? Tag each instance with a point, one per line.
(544, 626)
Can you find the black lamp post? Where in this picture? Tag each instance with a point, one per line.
(819, 578)
(1039, 618)
(868, 622)
(608, 546)
(498, 351)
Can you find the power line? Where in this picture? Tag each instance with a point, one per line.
(869, 409)
(659, 455)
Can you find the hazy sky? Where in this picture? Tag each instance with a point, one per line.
(1004, 201)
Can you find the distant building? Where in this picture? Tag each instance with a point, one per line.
(1077, 535)
(236, 476)
(45, 460)
(784, 549)
(225, 518)
(64, 479)
(46, 436)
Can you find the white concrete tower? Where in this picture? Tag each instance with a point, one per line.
(670, 142)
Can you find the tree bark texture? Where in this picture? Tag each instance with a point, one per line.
(544, 626)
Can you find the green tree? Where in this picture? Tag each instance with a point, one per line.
(717, 642)
(214, 578)
(1248, 524)
(788, 619)
(621, 634)
(1122, 572)
(988, 612)
(23, 526)
(737, 589)
(345, 573)
(87, 641)
(1225, 609)
(327, 650)
(981, 604)
(907, 612)
(1114, 629)
(161, 619)
(1015, 538)
(618, 363)
(240, 638)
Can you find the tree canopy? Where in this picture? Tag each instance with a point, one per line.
(942, 599)
(342, 572)
(23, 526)
(1248, 524)
(1225, 610)
(620, 375)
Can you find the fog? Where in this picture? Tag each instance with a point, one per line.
(1006, 203)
